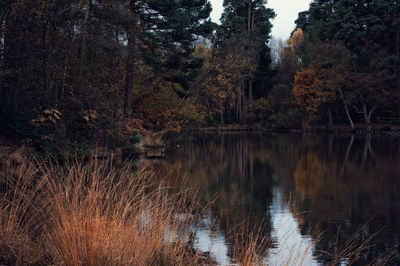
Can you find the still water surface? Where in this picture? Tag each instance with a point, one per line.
(311, 192)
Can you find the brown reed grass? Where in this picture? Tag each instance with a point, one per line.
(90, 213)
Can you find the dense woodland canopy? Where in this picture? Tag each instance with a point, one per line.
(350, 60)
(79, 71)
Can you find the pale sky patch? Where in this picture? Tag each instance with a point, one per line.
(286, 13)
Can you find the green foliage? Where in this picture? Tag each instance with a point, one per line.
(132, 149)
(291, 118)
(135, 138)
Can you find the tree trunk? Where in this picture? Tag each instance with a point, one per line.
(248, 17)
(129, 75)
(2, 38)
(251, 101)
(247, 106)
(3, 35)
(398, 58)
(238, 109)
(398, 55)
(83, 52)
(244, 103)
(130, 60)
(64, 78)
(3, 30)
(346, 108)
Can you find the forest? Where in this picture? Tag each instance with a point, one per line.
(88, 86)
(78, 72)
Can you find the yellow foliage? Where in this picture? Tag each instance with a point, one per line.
(51, 116)
(219, 83)
(192, 111)
(203, 52)
(47, 137)
(311, 89)
(89, 115)
(296, 39)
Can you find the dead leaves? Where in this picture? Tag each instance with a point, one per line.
(48, 117)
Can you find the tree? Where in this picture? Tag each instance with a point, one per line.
(220, 83)
(372, 85)
(81, 57)
(247, 23)
(168, 29)
(296, 39)
(334, 61)
(280, 99)
(310, 89)
(356, 44)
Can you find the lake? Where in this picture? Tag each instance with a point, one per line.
(309, 194)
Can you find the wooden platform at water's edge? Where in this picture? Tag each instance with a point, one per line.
(154, 151)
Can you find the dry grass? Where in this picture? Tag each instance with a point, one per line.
(18, 217)
(93, 213)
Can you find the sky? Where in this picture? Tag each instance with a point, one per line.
(286, 13)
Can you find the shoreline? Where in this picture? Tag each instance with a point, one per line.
(359, 129)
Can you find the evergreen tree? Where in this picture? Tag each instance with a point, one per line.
(247, 24)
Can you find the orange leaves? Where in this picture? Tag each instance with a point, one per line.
(318, 83)
(311, 89)
(89, 115)
(296, 39)
(202, 51)
(49, 116)
(306, 86)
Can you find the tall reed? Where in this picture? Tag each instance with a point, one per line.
(90, 213)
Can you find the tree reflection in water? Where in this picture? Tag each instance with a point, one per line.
(332, 182)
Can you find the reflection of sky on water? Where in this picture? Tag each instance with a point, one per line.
(291, 248)
(336, 182)
(214, 243)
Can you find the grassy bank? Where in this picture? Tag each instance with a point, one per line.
(95, 213)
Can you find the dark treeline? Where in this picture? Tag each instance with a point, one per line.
(349, 61)
(237, 68)
(71, 71)
(77, 71)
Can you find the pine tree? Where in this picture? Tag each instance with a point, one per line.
(247, 24)
(162, 34)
